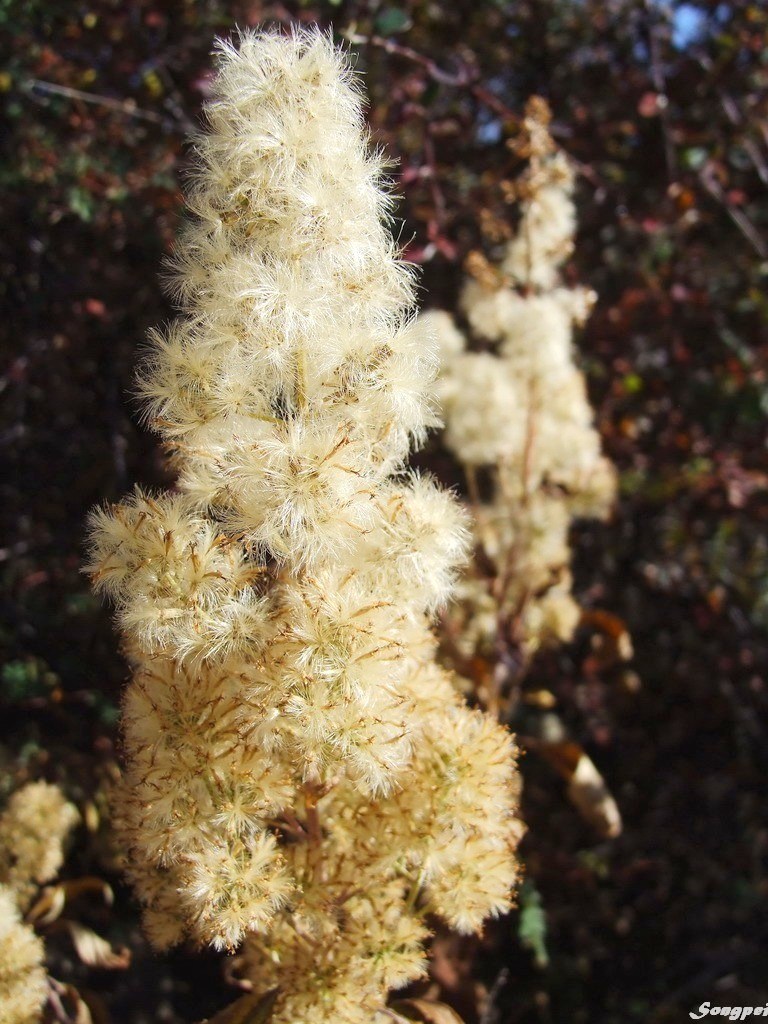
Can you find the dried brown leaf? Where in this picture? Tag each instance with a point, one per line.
(82, 1012)
(95, 951)
(249, 1009)
(67, 1004)
(53, 899)
(586, 787)
(563, 755)
(389, 1016)
(613, 642)
(592, 798)
(48, 906)
(427, 1012)
(540, 699)
(89, 885)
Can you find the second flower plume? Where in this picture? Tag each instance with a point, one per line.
(300, 775)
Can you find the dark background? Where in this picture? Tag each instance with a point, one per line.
(665, 109)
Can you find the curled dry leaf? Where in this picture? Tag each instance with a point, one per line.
(586, 787)
(233, 970)
(66, 1004)
(83, 1013)
(612, 642)
(89, 885)
(544, 699)
(52, 900)
(389, 1016)
(95, 951)
(248, 1009)
(425, 1011)
(48, 906)
(91, 817)
(590, 795)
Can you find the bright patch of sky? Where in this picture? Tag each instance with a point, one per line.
(690, 22)
(688, 25)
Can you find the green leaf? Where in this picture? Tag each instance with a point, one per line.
(632, 383)
(532, 925)
(694, 157)
(391, 20)
(22, 680)
(81, 203)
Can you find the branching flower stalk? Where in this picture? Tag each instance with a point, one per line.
(517, 415)
(300, 776)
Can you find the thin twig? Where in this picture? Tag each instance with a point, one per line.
(127, 107)
(734, 114)
(659, 84)
(438, 199)
(435, 72)
(314, 830)
(465, 78)
(490, 1014)
(290, 824)
(739, 218)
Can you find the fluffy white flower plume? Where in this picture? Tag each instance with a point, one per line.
(23, 984)
(34, 826)
(519, 411)
(298, 771)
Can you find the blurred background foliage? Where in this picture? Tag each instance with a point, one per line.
(664, 108)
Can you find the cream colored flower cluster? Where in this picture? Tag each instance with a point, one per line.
(298, 771)
(33, 828)
(518, 408)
